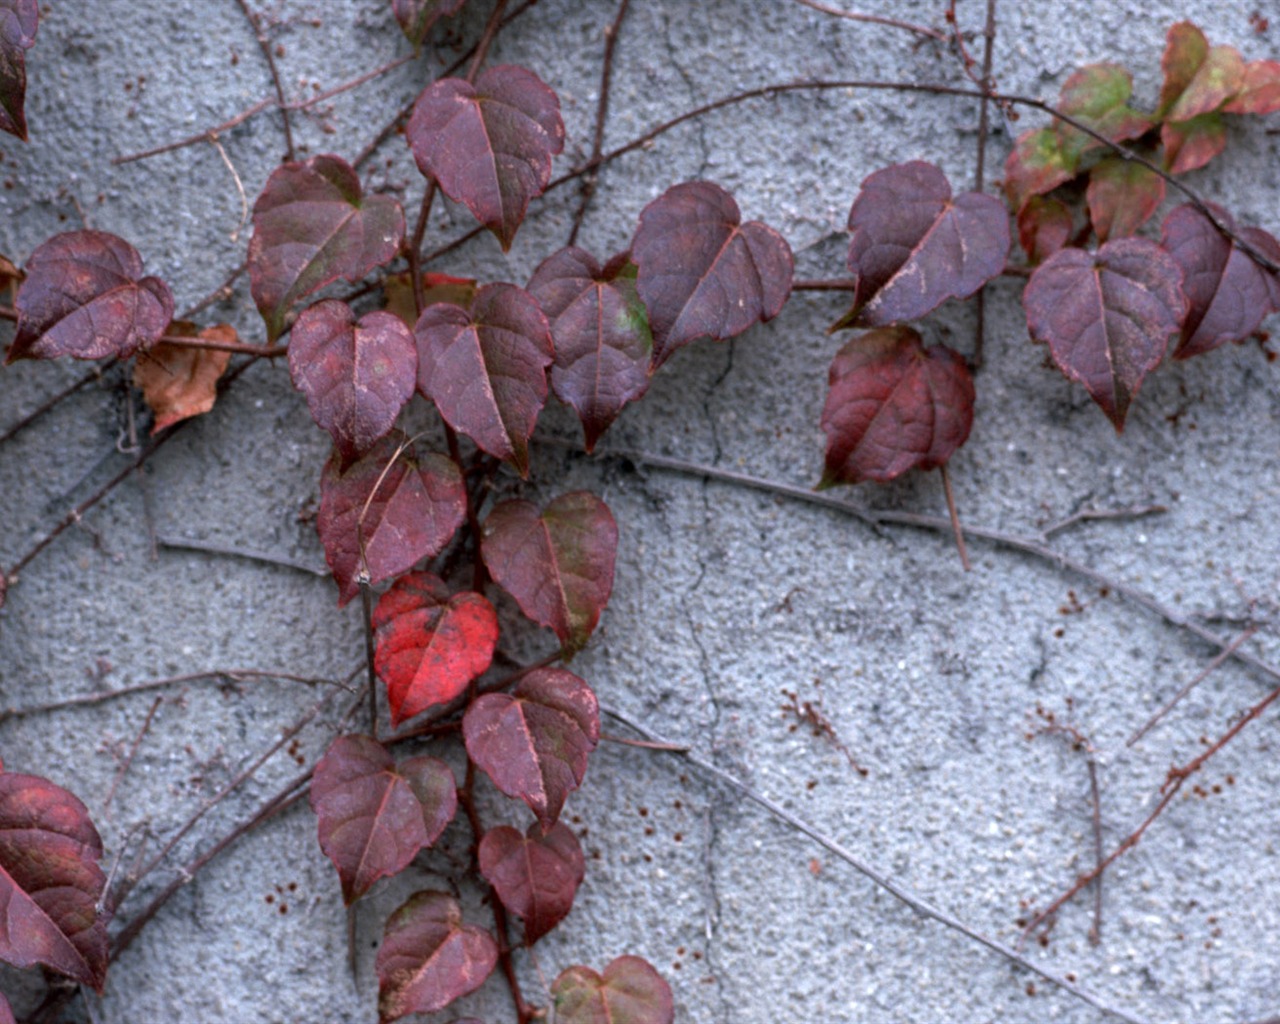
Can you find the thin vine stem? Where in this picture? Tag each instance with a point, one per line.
(264, 44)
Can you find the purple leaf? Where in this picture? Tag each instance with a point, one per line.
(629, 991)
(535, 875)
(19, 20)
(1044, 227)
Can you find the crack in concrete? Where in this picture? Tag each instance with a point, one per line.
(693, 94)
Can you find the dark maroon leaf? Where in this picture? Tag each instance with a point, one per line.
(430, 644)
(1107, 316)
(376, 815)
(50, 882)
(557, 565)
(6, 1011)
(914, 246)
(356, 376)
(416, 17)
(534, 743)
(489, 145)
(1189, 145)
(418, 505)
(1122, 196)
(893, 406)
(486, 368)
(19, 20)
(535, 875)
(702, 272)
(85, 297)
(629, 991)
(1044, 227)
(429, 958)
(1229, 293)
(311, 226)
(601, 333)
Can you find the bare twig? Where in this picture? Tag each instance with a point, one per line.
(491, 28)
(955, 517)
(228, 551)
(219, 294)
(264, 44)
(235, 176)
(133, 750)
(26, 421)
(875, 19)
(1091, 514)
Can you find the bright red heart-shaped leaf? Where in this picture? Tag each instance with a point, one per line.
(417, 506)
(1198, 78)
(356, 375)
(894, 405)
(702, 272)
(374, 815)
(179, 382)
(1189, 145)
(19, 20)
(601, 333)
(430, 644)
(1044, 227)
(534, 743)
(535, 875)
(486, 368)
(629, 991)
(1260, 90)
(429, 958)
(311, 226)
(85, 297)
(1107, 316)
(558, 565)
(1122, 196)
(914, 246)
(1229, 293)
(1098, 96)
(50, 882)
(416, 17)
(489, 145)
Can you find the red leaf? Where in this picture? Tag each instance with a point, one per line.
(416, 17)
(1122, 196)
(415, 511)
(85, 297)
(485, 368)
(601, 333)
(914, 246)
(489, 145)
(1044, 227)
(374, 815)
(702, 272)
(1189, 145)
(1198, 78)
(534, 743)
(1107, 316)
(1260, 90)
(19, 20)
(430, 645)
(557, 565)
(311, 226)
(357, 376)
(1039, 163)
(893, 406)
(50, 882)
(629, 991)
(1229, 293)
(429, 958)
(179, 382)
(535, 875)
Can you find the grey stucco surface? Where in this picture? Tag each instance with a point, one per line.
(724, 596)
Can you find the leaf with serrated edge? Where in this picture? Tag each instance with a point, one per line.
(535, 875)
(702, 272)
(914, 246)
(558, 565)
(179, 382)
(429, 644)
(1107, 316)
(429, 957)
(414, 513)
(1044, 227)
(416, 17)
(1122, 196)
(534, 743)
(19, 21)
(84, 296)
(629, 991)
(311, 226)
(374, 815)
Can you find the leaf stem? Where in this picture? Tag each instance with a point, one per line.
(491, 29)
(264, 44)
(366, 605)
(955, 518)
(876, 19)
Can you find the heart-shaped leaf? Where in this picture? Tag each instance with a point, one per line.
(489, 145)
(429, 644)
(486, 368)
(1044, 227)
(19, 20)
(1260, 91)
(417, 504)
(534, 743)
(429, 958)
(914, 246)
(557, 565)
(894, 405)
(1038, 163)
(374, 815)
(50, 882)
(416, 17)
(1098, 96)
(1198, 78)
(601, 333)
(85, 297)
(356, 375)
(311, 226)
(1107, 316)
(702, 272)
(1189, 145)
(629, 991)
(179, 382)
(535, 875)
(1122, 196)
(1229, 293)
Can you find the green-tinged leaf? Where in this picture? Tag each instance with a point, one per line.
(1098, 96)
(1122, 196)
(629, 991)
(1038, 164)
(1189, 145)
(1198, 78)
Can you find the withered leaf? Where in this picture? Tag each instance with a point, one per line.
(179, 382)
(629, 991)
